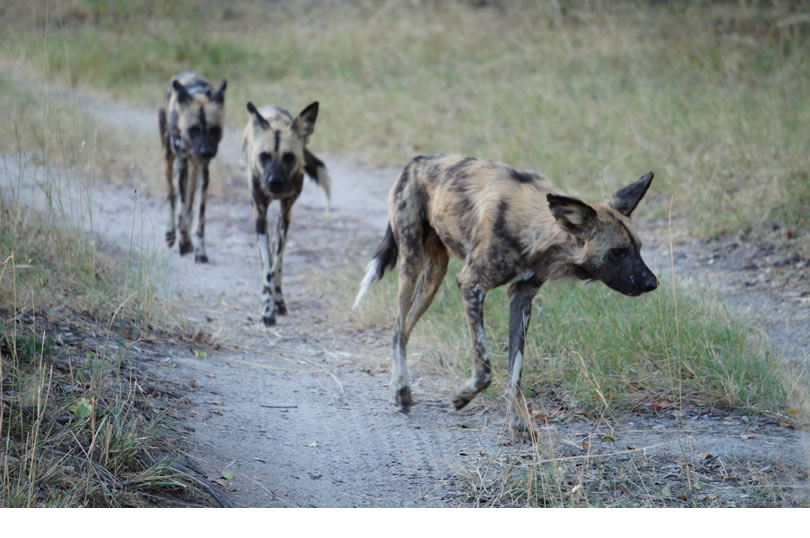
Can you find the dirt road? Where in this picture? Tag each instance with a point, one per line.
(299, 412)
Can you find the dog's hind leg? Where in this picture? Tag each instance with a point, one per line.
(520, 311)
(409, 269)
(436, 258)
(473, 294)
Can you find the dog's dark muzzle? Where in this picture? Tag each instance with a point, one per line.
(274, 184)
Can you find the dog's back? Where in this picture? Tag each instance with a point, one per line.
(474, 205)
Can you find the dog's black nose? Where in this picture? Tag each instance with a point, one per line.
(650, 283)
(275, 185)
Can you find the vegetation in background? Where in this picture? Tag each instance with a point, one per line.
(709, 96)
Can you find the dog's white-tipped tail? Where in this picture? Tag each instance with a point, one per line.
(369, 279)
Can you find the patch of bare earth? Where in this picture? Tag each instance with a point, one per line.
(298, 414)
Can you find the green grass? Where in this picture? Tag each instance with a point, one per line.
(76, 428)
(592, 350)
(709, 97)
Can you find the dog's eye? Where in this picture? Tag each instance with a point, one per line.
(215, 132)
(288, 159)
(194, 131)
(265, 158)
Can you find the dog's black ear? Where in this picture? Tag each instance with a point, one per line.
(304, 124)
(219, 95)
(182, 93)
(575, 216)
(263, 123)
(626, 200)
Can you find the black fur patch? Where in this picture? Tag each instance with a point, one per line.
(455, 171)
(522, 177)
(500, 230)
(386, 253)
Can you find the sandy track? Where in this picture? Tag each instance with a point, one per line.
(290, 410)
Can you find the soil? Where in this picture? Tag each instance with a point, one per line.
(299, 412)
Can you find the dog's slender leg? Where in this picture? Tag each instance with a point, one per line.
(473, 294)
(282, 227)
(432, 276)
(199, 250)
(408, 275)
(262, 241)
(187, 184)
(168, 158)
(520, 312)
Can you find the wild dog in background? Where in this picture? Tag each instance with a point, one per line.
(190, 130)
(509, 227)
(275, 152)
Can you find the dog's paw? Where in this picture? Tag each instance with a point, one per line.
(170, 237)
(281, 308)
(185, 246)
(402, 399)
(200, 257)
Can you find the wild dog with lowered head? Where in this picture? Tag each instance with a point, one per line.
(275, 152)
(509, 227)
(190, 130)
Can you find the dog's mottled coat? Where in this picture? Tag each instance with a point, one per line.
(191, 122)
(509, 227)
(276, 157)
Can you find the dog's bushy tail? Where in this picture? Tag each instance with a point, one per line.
(384, 259)
(315, 169)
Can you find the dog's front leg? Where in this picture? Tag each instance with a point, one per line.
(188, 186)
(520, 311)
(199, 249)
(282, 227)
(473, 295)
(262, 241)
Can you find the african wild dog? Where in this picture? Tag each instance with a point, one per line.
(190, 130)
(509, 227)
(275, 152)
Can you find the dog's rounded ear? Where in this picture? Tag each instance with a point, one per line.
(182, 93)
(263, 123)
(626, 199)
(304, 124)
(219, 95)
(575, 216)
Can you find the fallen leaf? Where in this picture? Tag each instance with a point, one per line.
(227, 475)
(126, 335)
(746, 436)
(200, 354)
(216, 411)
(209, 319)
(313, 444)
(192, 383)
(704, 456)
(147, 339)
(586, 445)
(223, 483)
(786, 424)
(794, 411)
(608, 437)
(257, 478)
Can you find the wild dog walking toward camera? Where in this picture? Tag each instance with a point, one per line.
(275, 152)
(509, 227)
(190, 130)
